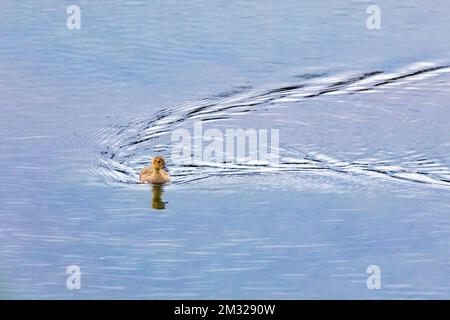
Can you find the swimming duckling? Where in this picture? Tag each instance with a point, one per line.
(157, 173)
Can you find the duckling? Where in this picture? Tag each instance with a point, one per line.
(157, 173)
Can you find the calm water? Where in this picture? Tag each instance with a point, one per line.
(364, 171)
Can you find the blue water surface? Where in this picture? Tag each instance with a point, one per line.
(364, 172)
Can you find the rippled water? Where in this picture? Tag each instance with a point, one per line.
(127, 147)
(364, 171)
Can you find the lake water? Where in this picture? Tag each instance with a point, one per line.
(364, 131)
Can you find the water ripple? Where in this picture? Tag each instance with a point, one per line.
(123, 149)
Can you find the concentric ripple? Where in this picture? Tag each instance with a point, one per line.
(124, 147)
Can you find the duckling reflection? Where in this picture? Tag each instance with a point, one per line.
(157, 202)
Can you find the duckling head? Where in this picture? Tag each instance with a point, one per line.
(158, 163)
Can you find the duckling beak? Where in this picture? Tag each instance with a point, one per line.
(165, 168)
